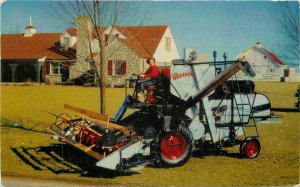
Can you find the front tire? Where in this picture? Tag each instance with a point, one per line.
(176, 147)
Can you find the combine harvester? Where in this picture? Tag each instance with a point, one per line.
(188, 108)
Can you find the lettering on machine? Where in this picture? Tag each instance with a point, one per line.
(181, 75)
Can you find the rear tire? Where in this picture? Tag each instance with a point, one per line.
(175, 147)
(250, 148)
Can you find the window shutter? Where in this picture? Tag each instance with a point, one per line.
(110, 68)
(123, 67)
(47, 67)
(106, 39)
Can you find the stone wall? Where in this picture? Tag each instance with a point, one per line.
(114, 51)
(52, 79)
(119, 51)
(82, 47)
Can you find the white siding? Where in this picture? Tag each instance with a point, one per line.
(113, 32)
(73, 39)
(164, 57)
(263, 65)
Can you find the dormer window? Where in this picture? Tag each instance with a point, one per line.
(66, 42)
(168, 44)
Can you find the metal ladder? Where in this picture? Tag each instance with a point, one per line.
(251, 118)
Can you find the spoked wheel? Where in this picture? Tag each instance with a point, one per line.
(250, 148)
(175, 148)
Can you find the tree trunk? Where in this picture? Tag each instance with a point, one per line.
(102, 82)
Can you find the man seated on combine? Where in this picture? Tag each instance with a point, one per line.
(151, 74)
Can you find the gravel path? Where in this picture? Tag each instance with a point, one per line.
(8, 181)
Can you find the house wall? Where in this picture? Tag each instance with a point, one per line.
(118, 51)
(73, 39)
(293, 76)
(52, 79)
(162, 56)
(115, 51)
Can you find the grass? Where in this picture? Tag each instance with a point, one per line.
(28, 151)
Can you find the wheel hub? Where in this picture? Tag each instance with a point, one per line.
(173, 146)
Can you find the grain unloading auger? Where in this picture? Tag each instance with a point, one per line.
(180, 113)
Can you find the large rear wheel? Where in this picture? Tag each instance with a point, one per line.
(176, 147)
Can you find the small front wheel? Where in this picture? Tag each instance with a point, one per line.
(250, 148)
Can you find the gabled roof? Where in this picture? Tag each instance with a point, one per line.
(73, 31)
(143, 40)
(39, 45)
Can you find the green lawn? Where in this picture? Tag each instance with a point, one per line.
(28, 151)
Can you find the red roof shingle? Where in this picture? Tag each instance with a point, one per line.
(72, 31)
(143, 40)
(18, 47)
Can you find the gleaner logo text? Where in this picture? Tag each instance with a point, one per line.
(181, 75)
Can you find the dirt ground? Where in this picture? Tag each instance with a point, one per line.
(28, 152)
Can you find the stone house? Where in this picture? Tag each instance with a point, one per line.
(57, 57)
(267, 66)
(127, 49)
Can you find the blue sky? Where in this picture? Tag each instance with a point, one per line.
(225, 26)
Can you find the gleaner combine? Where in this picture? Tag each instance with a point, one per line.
(186, 109)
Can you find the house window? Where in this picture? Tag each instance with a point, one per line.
(168, 44)
(116, 67)
(66, 42)
(55, 68)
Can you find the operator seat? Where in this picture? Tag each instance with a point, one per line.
(157, 92)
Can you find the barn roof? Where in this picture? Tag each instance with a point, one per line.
(273, 56)
(39, 45)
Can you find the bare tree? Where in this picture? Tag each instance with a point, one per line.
(287, 17)
(101, 14)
